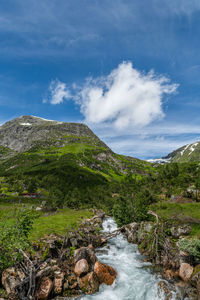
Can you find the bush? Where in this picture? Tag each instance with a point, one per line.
(191, 246)
(14, 236)
(133, 209)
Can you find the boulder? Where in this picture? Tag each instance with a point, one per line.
(72, 280)
(185, 271)
(106, 274)
(81, 267)
(45, 288)
(89, 283)
(180, 231)
(87, 254)
(58, 282)
(131, 232)
(11, 278)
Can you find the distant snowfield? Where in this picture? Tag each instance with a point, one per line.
(159, 160)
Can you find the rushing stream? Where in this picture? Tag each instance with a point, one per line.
(135, 281)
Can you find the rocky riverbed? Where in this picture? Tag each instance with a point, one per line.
(65, 266)
(163, 249)
(99, 261)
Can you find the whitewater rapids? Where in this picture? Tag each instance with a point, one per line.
(135, 281)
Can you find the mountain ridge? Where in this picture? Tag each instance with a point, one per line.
(21, 134)
(186, 153)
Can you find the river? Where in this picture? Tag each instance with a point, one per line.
(135, 280)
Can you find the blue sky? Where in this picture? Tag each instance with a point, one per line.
(91, 61)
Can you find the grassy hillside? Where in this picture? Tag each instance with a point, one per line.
(70, 167)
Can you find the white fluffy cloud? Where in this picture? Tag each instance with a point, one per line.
(126, 98)
(57, 92)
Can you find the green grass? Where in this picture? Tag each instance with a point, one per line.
(168, 210)
(187, 213)
(71, 148)
(59, 223)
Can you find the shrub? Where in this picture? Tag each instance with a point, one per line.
(14, 236)
(191, 246)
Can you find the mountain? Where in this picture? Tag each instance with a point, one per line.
(62, 160)
(38, 138)
(26, 132)
(187, 153)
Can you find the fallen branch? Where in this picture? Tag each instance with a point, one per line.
(113, 233)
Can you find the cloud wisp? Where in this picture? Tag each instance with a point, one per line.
(126, 98)
(57, 92)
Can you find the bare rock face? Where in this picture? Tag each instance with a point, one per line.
(21, 133)
(81, 267)
(11, 278)
(89, 283)
(106, 274)
(44, 289)
(185, 271)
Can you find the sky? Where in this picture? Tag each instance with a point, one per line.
(128, 69)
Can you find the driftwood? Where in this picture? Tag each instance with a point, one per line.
(25, 290)
(155, 243)
(159, 230)
(113, 233)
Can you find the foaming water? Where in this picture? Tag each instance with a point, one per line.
(135, 281)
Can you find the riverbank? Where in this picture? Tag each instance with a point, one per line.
(135, 280)
(162, 245)
(69, 266)
(60, 265)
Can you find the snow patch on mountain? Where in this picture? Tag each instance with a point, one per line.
(192, 148)
(25, 124)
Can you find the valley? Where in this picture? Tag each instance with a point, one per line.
(54, 175)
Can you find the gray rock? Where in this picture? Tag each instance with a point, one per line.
(178, 231)
(85, 253)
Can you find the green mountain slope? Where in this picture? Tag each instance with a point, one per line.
(64, 161)
(187, 153)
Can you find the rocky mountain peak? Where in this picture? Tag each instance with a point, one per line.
(23, 133)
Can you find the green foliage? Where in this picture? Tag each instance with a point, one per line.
(120, 212)
(133, 209)
(14, 236)
(191, 246)
(72, 249)
(32, 186)
(25, 220)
